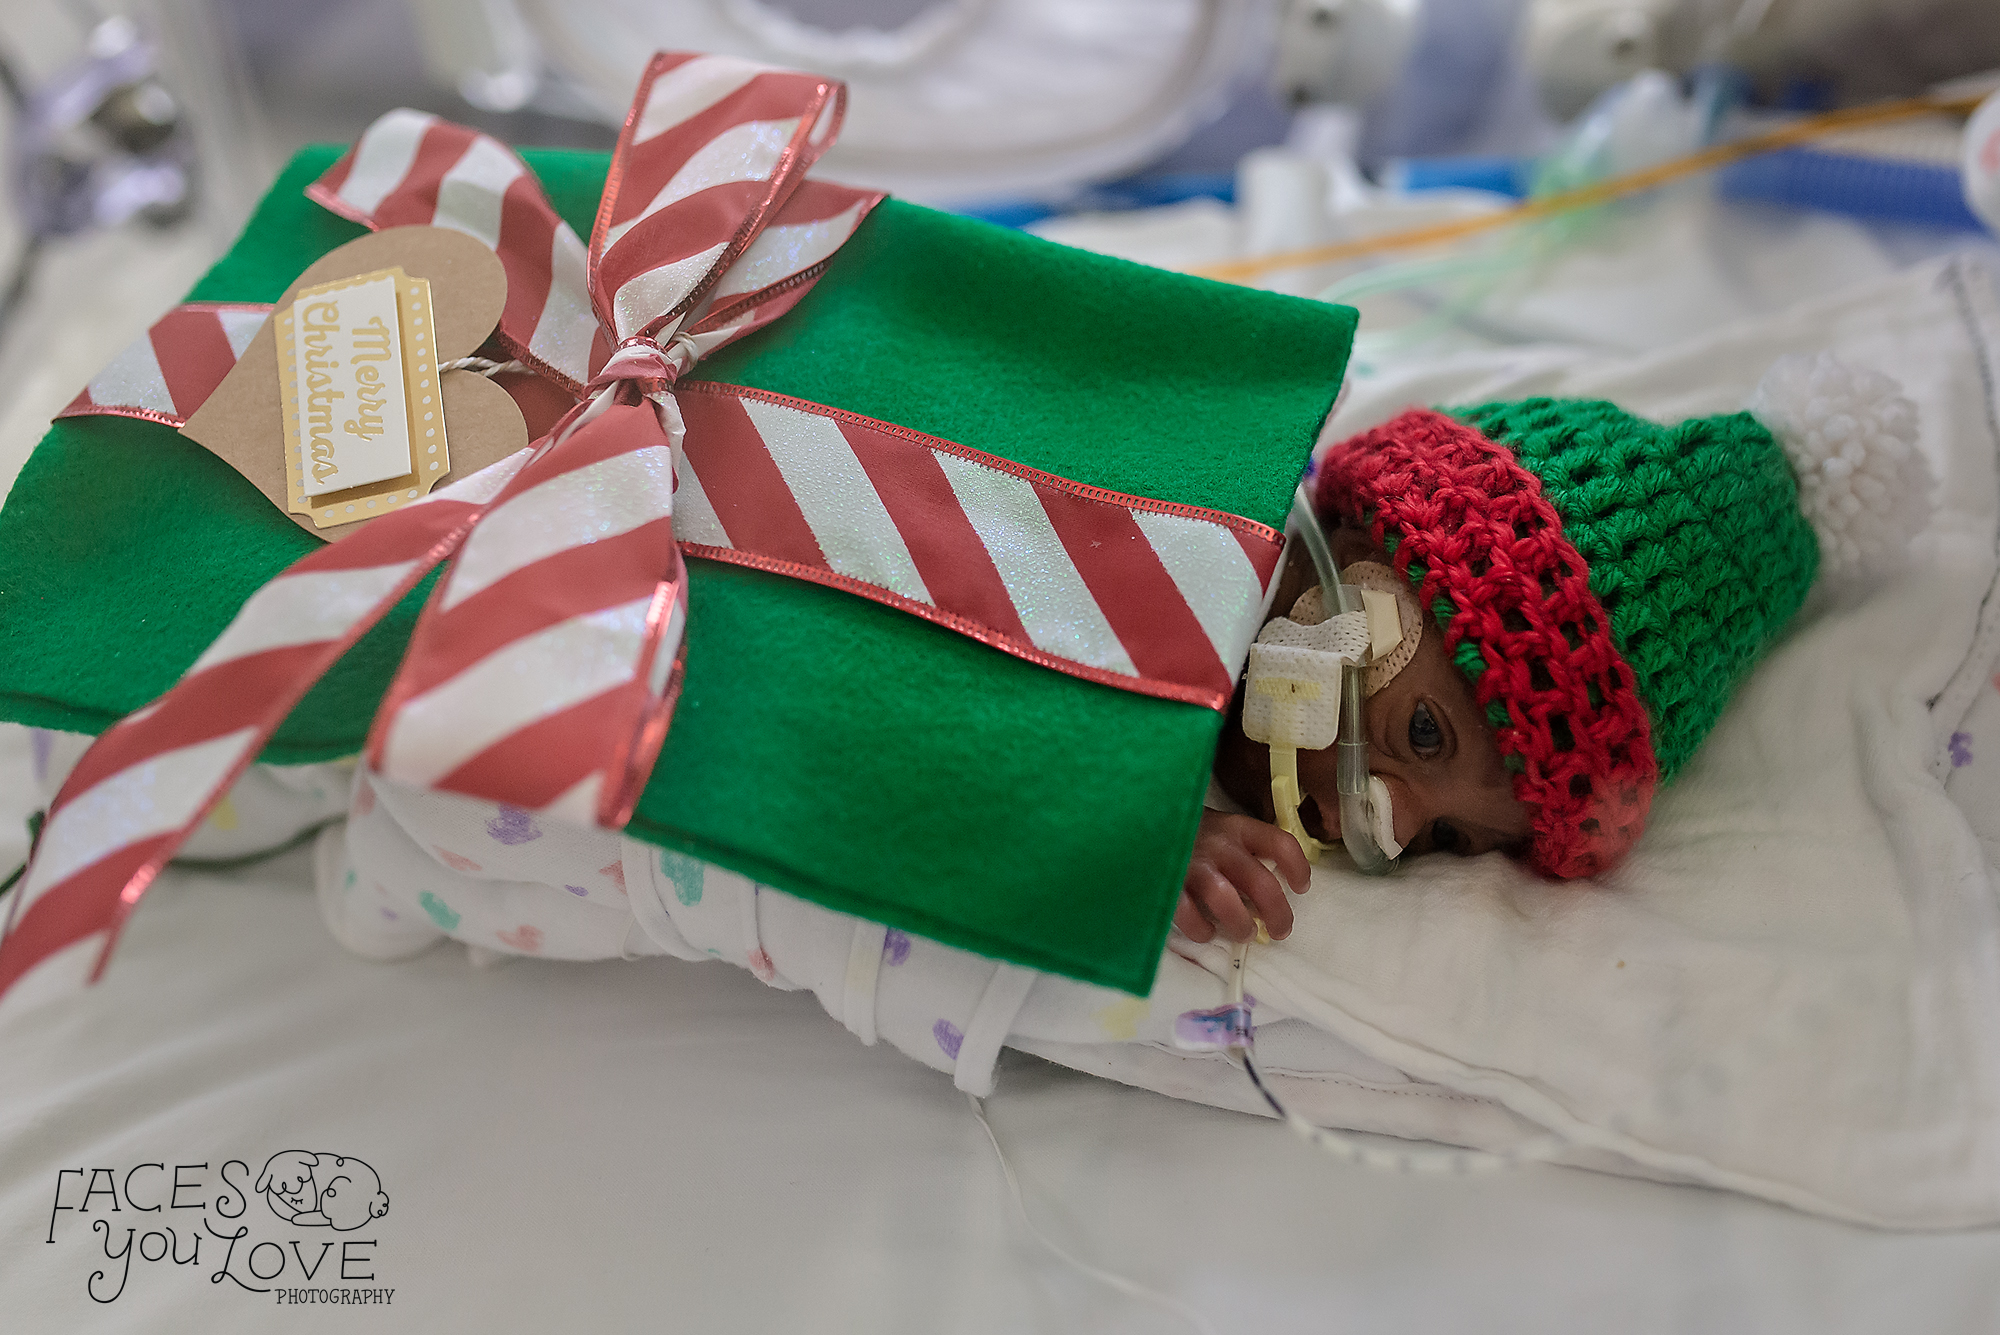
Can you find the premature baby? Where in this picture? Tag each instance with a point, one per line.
(1593, 585)
(1584, 590)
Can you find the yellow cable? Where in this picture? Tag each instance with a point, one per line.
(1601, 192)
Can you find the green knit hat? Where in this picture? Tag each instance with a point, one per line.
(1694, 538)
(1603, 581)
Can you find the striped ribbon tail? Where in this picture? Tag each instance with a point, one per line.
(544, 669)
(144, 786)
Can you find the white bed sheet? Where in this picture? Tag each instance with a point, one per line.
(664, 1145)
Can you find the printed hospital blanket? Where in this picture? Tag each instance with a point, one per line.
(410, 869)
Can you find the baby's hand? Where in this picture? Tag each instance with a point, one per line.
(1226, 871)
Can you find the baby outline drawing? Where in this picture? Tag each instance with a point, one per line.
(322, 1190)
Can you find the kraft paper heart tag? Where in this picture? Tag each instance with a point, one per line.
(336, 412)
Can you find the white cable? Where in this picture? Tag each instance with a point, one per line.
(1129, 1288)
(1352, 1149)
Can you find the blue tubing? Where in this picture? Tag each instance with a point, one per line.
(1884, 189)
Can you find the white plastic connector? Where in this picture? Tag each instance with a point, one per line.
(1285, 800)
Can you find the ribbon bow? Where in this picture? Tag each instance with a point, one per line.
(544, 670)
(562, 614)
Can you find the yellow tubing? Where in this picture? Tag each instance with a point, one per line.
(1602, 192)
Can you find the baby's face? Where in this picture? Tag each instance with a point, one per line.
(1428, 741)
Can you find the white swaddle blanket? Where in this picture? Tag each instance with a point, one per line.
(1791, 988)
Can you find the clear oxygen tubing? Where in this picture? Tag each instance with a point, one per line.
(1357, 830)
(1600, 192)
(1631, 127)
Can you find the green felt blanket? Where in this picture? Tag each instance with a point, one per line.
(824, 744)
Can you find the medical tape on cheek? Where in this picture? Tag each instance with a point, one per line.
(1394, 621)
(1374, 577)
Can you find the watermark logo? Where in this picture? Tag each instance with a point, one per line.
(197, 1219)
(322, 1190)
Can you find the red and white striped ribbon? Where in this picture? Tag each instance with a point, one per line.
(146, 783)
(544, 671)
(1149, 596)
(170, 370)
(700, 153)
(1164, 606)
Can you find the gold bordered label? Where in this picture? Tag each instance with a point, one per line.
(358, 383)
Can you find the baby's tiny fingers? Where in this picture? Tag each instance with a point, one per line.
(1188, 917)
(1255, 882)
(1274, 909)
(1222, 901)
(1278, 846)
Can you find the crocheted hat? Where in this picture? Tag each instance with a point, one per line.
(1605, 582)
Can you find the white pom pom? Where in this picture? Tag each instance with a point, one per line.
(1851, 437)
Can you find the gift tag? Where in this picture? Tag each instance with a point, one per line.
(336, 410)
(357, 378)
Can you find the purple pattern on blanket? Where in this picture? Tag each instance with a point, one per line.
(895, 946)
(1961, 750)
(949, 1037)
(513, 826)
(41, 741)
(577, 890)
(1216, 1029)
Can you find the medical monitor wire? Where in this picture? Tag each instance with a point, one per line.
(1351, 1148)
(1110, 1279)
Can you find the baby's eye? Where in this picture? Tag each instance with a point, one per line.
(1426, 737)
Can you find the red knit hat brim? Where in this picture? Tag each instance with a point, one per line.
(1495, 565)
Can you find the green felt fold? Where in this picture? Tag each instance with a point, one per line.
(823, 744)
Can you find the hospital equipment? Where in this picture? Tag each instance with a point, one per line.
(956, 101)
(1305, 692)
(100, 143)
(1601, 192)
